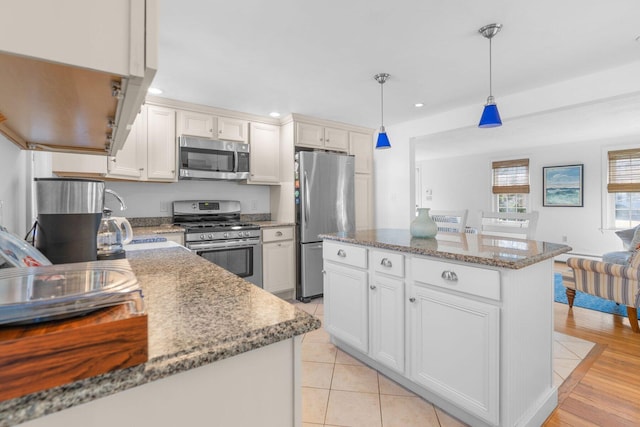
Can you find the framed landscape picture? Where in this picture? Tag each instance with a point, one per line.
(562, 186)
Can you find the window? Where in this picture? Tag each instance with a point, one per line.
(511, 185)
(623, 185)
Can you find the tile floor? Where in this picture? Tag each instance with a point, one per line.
(338, 390)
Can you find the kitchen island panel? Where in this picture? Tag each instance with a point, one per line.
(256, 388)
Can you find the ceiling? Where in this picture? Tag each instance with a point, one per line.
(318, 58)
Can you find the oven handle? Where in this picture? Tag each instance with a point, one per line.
(205, 246)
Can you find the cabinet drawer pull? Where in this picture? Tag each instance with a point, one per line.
(386, 263)
(372, 287)
(278, 233)
(341, 253)
(412, 299)
(450, 276)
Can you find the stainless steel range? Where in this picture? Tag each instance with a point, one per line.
(214, 231)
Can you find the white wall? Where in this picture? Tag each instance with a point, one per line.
(144, 199)
(395, 169)
(13, 187)
(465, 183)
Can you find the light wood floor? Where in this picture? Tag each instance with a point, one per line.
(605, 388)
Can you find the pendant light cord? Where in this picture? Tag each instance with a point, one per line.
(490, 70)
(382, 104)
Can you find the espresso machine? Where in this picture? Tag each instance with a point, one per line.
(69, 214)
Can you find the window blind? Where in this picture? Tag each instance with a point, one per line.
(624, 171)
(511, 176)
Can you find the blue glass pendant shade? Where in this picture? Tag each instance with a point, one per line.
(383, 140)
(490, 117)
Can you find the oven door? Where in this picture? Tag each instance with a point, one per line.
(243, 258)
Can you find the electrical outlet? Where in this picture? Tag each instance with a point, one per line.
(164, 207)
(254, 205)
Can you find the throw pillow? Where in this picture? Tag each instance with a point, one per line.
(627, 236)
(634, 261)
(633, 246)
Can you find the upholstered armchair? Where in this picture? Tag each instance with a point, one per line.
(630, 239)
(614, 282)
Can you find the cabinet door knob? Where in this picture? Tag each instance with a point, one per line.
(341, 253)
(412, 299)
(141, 169)
(386, 263)
(278, 233)
(372, 287)
(450, 276)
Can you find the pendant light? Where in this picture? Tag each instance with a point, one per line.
(383, 139)
(490, 115)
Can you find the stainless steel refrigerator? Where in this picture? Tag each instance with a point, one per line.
(324, 197)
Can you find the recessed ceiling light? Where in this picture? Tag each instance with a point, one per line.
(154, 91)
(274, 114)
(418, 104)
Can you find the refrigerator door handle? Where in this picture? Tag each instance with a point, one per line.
(307, 201)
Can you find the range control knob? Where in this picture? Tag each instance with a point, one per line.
(239, 233)
(225, 235)
(210, 236)
(247, 233)
(202, 237)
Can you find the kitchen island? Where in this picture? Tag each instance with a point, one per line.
(463, 320)
(221, 352)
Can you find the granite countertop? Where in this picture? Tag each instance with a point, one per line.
(494, 251)
(157, 229)
(198, 313)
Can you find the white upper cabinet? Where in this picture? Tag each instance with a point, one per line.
(209, 126)
(161, 144)
(128, 163)
(150, 151)
(264, 160)
(233, 129)
(196, 124)
(315, 136)
(361, 146)
(89, 62)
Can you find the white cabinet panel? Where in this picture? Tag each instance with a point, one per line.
(336, 139)
(346, 305)
(264, 160)
(161, 144)
(386, 296)
(129, 162)
(196, 124)
(361, 146)
(363, 188)
(454, 347)
(308, 135)
(345, 254)
(233, 129)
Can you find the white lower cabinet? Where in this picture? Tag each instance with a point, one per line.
(386, 298)
(346, 307)
(454, 349)
(278, 259)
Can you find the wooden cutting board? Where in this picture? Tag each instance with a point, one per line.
(45, 355)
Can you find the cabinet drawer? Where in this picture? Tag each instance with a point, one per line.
(276, 234)
(345, 254)
(471, 280)
(388, 263)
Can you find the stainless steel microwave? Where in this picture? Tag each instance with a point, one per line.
(204, 158)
